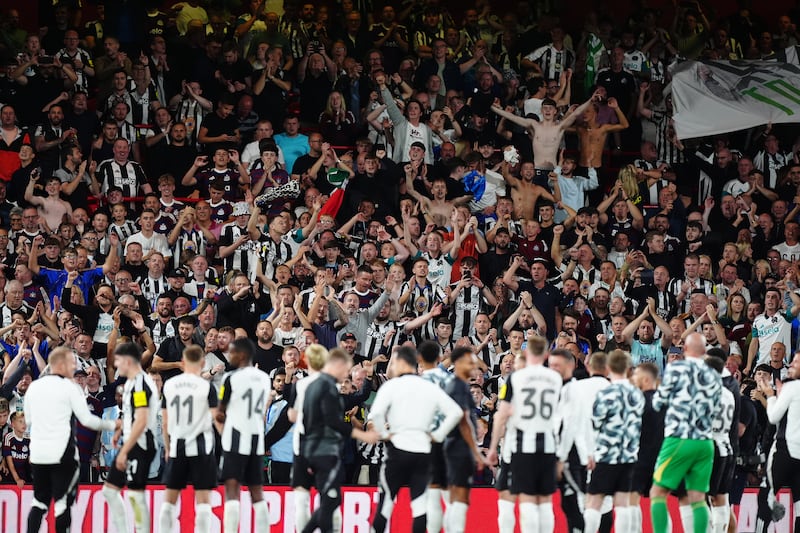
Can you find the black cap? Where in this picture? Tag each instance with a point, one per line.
(80, 372)
(469, 259)
(177, 273)
(349, 337)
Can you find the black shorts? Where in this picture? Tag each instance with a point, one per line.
(503, 479)
(301, 476)
(721, 474)
(533, 474)
(438, 465)
(643, 478)
(248, 470)
(135, 475)
(609, 479)
(459, 470)
(199, 472)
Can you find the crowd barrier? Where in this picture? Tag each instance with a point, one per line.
(90, 513)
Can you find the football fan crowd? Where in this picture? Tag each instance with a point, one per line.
(220, 222)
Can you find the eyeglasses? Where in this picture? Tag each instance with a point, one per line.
(91, 238)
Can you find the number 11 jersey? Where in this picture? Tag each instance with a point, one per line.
(246, 394)
(534, 392)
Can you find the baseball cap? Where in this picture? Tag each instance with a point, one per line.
(177, 273)
(348, 337)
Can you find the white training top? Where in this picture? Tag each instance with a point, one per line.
(50, 403)
(406, 406)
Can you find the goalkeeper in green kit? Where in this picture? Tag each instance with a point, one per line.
(690, 393)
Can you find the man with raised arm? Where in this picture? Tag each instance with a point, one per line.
(546, 133)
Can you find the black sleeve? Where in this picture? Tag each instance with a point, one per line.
(332, 414)
(213, 399)
(358, 397)
(225, 393)
(279, 429)
(7, 389)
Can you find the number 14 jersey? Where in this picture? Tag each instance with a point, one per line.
(533, 392)
(246, 394)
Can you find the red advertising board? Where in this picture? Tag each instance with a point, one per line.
(90, 513)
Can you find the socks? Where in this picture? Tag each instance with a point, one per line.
(435, 513)
(687, 517)
(659, 514)
(528, 517)
(636, 519)
(456, 517)
(116, 509)
(700, 516)
(202, 518)
(547, 518)
(505, 516)
(591, 521)
(230, 517)
(166, 518)
(720, 516)
(141, 513)
(622, 521)
(261, 517)
(302, 512)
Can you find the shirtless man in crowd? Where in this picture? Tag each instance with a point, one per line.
(546, 134)
(524, 191)
(593, 135)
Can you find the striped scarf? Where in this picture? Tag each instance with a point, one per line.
(594, 52)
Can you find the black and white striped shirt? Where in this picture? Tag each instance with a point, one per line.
(246, 393)
(6, 313)
(128, 176)
(140, 391)
(194, 239)
(376, 333)
(552, 61)
(123, 231)
(421, 301)
(274, 253)
(468, 304)
(188, 399)
(242, 258)
(152, 288)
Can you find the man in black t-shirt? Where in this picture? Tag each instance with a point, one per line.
(268, 355)
(220, 129)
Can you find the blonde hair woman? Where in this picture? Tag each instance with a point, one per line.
(337, 124)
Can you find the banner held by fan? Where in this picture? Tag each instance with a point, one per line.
(713, 97)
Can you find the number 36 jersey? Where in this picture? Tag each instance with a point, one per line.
(246, 394)
(188, 399)
(533, 392)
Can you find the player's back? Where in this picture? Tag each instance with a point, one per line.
(534, 395)
(246, 394)
(690, 395)
(188, 399)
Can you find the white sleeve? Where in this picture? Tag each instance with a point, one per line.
(81, 411)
